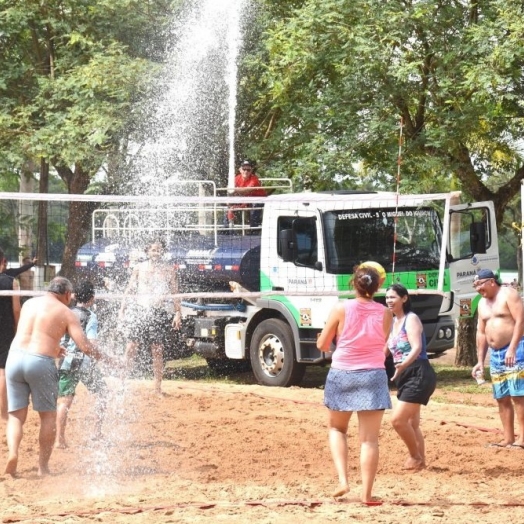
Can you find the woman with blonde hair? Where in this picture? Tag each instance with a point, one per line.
(357, 380)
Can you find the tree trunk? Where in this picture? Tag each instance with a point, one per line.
(77, 182)
(466, 342)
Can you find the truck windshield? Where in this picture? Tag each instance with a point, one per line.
(353, 236)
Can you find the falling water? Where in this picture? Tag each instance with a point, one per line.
(234, 43)
(191, 133)
(189, 136)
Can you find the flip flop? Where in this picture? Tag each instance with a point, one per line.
(497, 445)
(519, 446)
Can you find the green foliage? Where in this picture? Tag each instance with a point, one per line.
(337, 76)
(71, 70)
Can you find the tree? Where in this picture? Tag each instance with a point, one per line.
(340, 74)
(71, 71)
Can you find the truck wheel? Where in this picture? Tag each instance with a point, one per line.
(272, 355)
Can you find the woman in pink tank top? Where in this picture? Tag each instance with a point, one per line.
(357, 379)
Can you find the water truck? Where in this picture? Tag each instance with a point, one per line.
(264, 294)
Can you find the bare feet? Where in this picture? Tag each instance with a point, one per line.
(43, 471)
(341, 490)
(10, 468)
(414, 464)
(501, 444)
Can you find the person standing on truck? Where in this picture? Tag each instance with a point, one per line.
(9, 315)
(154, 312)
(414, 377)
(357, 380)
(500, 329)
(248, 184)
(76, 367)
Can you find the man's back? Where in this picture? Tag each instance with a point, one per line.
(42, 324)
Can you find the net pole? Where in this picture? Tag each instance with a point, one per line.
(395, 218)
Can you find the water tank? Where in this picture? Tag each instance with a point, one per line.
(210, 268)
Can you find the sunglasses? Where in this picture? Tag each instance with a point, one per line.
(479, 283)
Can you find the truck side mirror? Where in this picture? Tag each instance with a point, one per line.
(477, 237)
(287, 245)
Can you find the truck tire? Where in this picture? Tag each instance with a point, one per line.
(272, 355)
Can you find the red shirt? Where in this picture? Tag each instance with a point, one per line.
(251, 181)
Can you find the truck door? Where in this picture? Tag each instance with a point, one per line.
(299, 270)
(472, 245)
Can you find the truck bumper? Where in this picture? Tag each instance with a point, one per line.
(440, 336)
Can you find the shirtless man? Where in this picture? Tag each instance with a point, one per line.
(501, 328)
(31, 368)
(149, 320)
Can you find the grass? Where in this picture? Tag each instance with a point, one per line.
(454, 383)
(195, 368)
(457, 378)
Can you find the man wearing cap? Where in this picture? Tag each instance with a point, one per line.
(500, 328)
(247, 183)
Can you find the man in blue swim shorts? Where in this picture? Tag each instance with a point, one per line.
(500, 328)
(31, 371)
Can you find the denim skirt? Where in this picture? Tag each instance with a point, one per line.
(362, 390)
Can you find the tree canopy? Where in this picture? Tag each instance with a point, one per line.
(71, 72)
(338, 77)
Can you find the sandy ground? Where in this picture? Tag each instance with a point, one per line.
(221, 452)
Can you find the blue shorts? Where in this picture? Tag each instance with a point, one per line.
(507, 382)
(363, 390)
(30, 374)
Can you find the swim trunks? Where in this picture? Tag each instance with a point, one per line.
(364, 390)
(87, 373)
(507, 381)
(149, 325)
(29, 374)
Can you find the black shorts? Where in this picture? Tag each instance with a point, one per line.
(416, 383)
(149, 325)
(3, 359)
